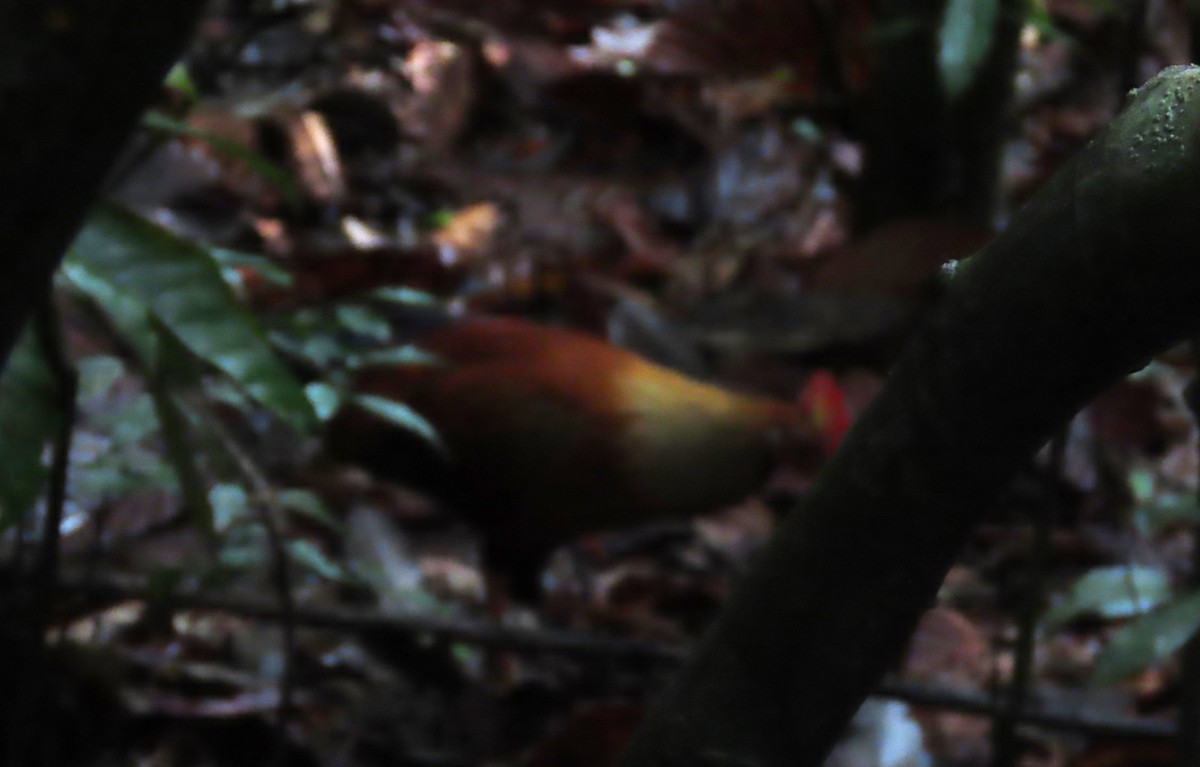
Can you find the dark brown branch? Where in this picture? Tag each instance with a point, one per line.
(1093, 277)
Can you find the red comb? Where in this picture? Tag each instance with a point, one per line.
(823, 399)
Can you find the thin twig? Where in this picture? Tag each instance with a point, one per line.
(33, 713)
(270, 512)
(1005, 747)
(578, 644)
(1079, 722)
(48, 328)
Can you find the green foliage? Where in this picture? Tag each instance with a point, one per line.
(310, 557)
(965, 38)
(401, 415)
(29, 418)
(174, 428)
(1166, 511)
(169, 302)
(1112, 593)
(308, 505)
(1147, 640)
(324, 339)
(141, 274)
(1161, 623)
(245, 544)
(231, 261)
(396, 355)
(180, 81)
(114, 462)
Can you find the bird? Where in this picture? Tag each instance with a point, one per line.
(548, 433)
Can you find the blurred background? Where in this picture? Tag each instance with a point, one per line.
(431, 369)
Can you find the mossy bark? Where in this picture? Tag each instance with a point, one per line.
(1097, 273)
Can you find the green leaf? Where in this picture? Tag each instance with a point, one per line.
(364, 322)
(309, 505)
(1113, 593)
(398, 294)
(312, 558)
(179, 79)
(395, 356)
(1168, 510)
(29, 418)
(1147, 640)
(97, 375)
(129, 263)
(244, 547)
(1038, 16)
(129, 423)
(269, 171)
(118, 474)
(325, 399)
(230, 505)
(181, 451)
(232, 260)
(401, 415)
(965, 39)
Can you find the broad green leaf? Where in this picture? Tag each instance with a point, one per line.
(1147, 640)
(1113, 593)
(164, 361)
(269, 171)
(29, 419)
(128, 314)
(126, 261)
(964, 39)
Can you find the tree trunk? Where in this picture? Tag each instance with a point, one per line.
(75, 76)
(1096, 274)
